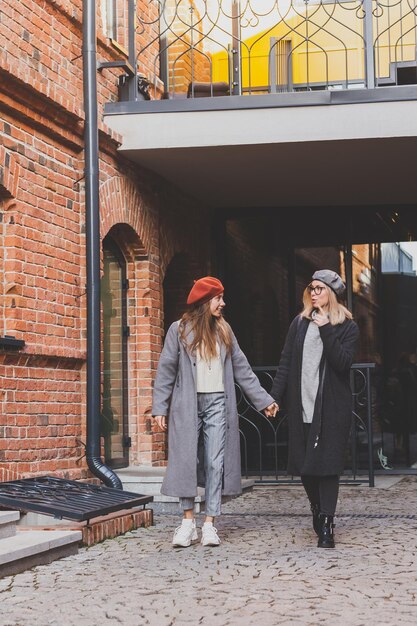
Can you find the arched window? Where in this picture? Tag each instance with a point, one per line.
(115, 375)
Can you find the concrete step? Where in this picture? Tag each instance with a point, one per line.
(148, 480)
(8, 521)
(28, 548)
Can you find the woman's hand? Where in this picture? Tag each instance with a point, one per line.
(161, 421)
(320, 318)
(271, 410)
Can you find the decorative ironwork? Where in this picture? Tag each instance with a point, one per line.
(66, 499)
(362, 426)
(264, 441)
(270, 46)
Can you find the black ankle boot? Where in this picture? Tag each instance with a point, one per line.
(315, 509)
(326, 536)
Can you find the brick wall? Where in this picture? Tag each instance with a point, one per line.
(42, 239)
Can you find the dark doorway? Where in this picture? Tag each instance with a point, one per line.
(270, 258)
(177, 283)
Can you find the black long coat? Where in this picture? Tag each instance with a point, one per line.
(323, 454)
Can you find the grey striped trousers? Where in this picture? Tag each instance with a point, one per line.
(212, 419)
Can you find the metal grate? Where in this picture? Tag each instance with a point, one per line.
(66, 499)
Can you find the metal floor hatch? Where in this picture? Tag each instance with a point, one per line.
(66, 499)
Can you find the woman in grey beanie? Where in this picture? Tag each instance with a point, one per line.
(314, 377)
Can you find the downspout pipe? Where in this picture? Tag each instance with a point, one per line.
(92, 219)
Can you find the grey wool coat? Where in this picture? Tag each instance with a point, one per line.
(175, 396)
(324, 452)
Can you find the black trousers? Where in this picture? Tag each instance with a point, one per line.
(321, 490)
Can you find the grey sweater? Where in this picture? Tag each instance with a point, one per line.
(310, 371)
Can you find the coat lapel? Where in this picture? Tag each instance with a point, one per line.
(301, 334)
(189, 336)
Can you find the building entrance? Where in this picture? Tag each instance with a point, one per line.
(268, 260)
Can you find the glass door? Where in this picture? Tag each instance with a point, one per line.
(384, 284)
(114, 414)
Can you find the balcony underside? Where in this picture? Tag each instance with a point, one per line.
(316, 149)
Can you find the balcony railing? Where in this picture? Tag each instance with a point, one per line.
(194, 48)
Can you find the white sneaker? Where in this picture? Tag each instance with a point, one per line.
(185, 534)
(210, 536)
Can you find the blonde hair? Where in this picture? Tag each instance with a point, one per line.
(207, 330)
(337, 312)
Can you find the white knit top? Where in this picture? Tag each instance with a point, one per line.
(209, 373)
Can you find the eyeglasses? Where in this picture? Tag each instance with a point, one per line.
(317, 289)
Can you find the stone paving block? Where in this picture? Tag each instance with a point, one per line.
(268, 570)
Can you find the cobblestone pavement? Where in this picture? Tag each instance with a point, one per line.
(267, 571)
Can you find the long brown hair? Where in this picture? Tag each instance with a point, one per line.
(337, 312)
(207, 330)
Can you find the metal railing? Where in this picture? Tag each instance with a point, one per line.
(264, 441)
(218, 47)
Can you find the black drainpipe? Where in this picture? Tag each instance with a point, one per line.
(92, 221)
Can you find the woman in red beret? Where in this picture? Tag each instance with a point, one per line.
(194, 395)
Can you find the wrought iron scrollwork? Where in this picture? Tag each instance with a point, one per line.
(259, 46)
(265, 441)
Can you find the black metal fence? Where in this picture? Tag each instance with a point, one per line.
(264, 441)
(218, 47)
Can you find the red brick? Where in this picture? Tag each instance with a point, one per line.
(43, 274)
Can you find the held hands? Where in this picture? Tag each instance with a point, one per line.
(321, 317)
(271, 410)
(161, 421)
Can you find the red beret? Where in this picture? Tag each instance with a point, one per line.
(204, 289)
